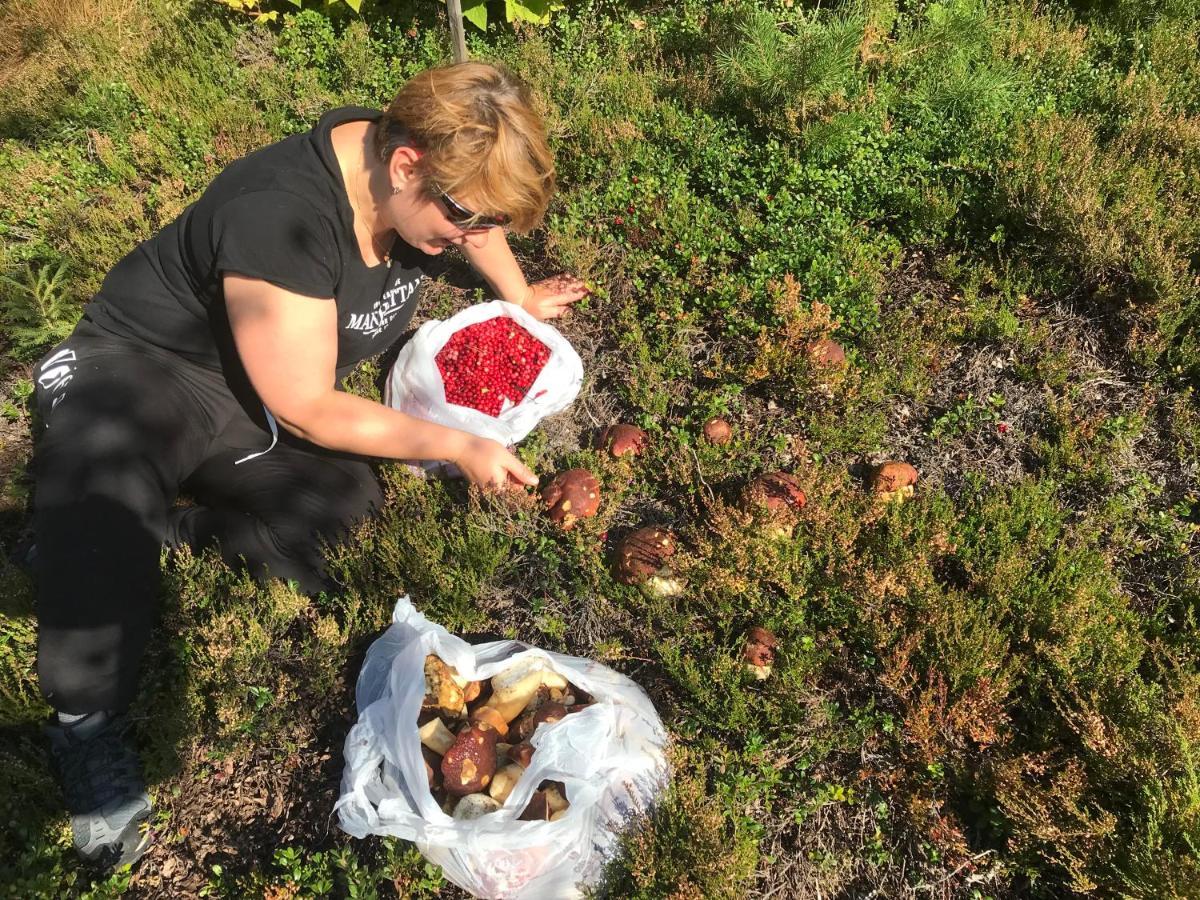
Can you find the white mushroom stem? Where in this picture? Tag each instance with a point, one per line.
(504, 781)
(513, 688)
(556, 801)
(436, 736)
(662, 586)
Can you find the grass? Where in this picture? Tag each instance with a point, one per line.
(990, 691)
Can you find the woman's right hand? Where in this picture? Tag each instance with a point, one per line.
(489, 465)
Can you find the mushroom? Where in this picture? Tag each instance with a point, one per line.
(581, 696)
(572, 495)
(441, 691)
(538, 809)
(485, 691)
(718, 431)
(759, 652)
(622, 440)
(436, 736)
(540, 697)
(827, 354)
(547, 712)
(521, 753)
(562, 695)
(471, 691)
(489, 717)
(473, 806)
(555, 795)
(504, 781)
(469, 765)
(642, 560)
(513, 688)
(893, 480)
(778, 495)
(433, 768)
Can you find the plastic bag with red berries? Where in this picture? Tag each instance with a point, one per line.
(416, 384)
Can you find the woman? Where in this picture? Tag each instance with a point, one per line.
(210, 360)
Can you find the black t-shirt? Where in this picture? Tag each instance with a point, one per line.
(280, 214)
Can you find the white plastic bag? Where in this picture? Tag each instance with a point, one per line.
(609, 757)
(414, 385)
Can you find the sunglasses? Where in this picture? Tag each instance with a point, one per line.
(467, 219)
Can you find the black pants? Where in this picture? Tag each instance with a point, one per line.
(124, 426)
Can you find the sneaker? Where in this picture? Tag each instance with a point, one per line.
(101, 778)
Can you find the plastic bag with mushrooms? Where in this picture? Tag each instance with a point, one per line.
(604, 756)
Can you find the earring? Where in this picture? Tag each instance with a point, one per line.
(395, 189)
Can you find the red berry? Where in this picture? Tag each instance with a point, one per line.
(488, 363)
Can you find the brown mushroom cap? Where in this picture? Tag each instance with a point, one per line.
(760, 646)
(572, 495)
(531, 719)
(643, 553)
(758, 654)
(764, 636)
(893, 476)
(469, 765)
(827, 353)
(622, 440)
(550, 712)
(521, 754)
(718, 431)
(538, 809)
(777, 492)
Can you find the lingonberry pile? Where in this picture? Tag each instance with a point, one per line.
(488, 363)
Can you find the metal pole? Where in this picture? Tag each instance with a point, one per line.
(457, 30)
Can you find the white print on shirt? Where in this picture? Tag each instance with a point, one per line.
(385, 309)
(55, 374)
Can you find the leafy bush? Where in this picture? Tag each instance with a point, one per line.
(36, 310)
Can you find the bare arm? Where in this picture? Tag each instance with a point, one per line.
(491, 256)
(288, 345)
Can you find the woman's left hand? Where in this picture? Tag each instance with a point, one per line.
(552, 297)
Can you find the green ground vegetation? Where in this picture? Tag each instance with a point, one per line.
(992, 690)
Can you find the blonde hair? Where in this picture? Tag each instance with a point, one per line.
(479, 136)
